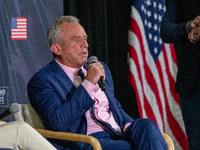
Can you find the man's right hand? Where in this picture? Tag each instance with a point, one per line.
(94, 72)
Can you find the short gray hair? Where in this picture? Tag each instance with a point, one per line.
(54, 34)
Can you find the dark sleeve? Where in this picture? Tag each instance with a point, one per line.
(173, 27)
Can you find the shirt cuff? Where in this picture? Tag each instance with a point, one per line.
(90, 88)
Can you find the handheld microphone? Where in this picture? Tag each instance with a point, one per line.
(14, 108)
(101, 83)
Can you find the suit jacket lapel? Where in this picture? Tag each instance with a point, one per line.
(62, 77)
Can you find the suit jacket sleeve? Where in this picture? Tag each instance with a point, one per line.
(57, 101)
(173, 26)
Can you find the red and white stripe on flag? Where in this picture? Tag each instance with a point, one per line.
(18, 28)
(153, 69)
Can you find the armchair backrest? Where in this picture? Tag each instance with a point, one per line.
(28, 115)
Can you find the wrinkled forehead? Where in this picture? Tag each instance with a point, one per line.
(72, 28)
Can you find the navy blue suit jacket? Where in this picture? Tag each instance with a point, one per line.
(173, 30)
(62, 106)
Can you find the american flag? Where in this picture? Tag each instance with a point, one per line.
(19, 28)
(153, 69)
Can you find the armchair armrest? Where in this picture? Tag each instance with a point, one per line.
(169, 141)
(71, 137)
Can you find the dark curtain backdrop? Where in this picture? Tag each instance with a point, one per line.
(107, 22)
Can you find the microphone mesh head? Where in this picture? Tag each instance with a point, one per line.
(14, 108)
(92, 59)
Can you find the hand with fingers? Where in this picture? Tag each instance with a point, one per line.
(95, 72)
(194, 34)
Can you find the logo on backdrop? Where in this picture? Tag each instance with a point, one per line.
(3, 96)
(18, 28)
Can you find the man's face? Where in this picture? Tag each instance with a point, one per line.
(74, 50)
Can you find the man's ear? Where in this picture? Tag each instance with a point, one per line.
(55, 48)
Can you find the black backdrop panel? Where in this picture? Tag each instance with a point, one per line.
(20, 59)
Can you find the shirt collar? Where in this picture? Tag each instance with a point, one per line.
(71, 72)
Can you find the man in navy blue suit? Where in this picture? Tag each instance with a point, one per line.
(69, 102)
(181, 25)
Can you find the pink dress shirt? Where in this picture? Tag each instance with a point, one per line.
(102, 109)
